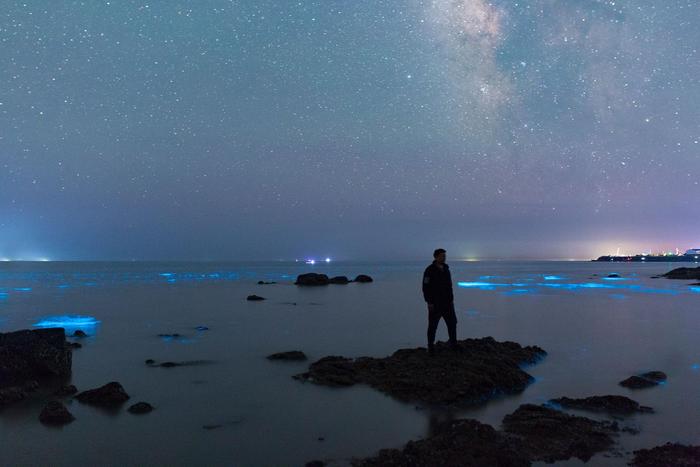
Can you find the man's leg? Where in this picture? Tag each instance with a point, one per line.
(433, 320)
(450, 318)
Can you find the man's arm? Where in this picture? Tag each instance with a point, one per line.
(428, 286)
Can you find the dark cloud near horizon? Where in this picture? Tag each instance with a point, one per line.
(260, 129)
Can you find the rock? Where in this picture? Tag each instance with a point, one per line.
(466, 443)
(683, 273)
(613, 276)
(312, 278)
(616, 405)
(202, 328)
(212, 427)
(140, 408)
(668, 455)
(74, 345)
(482, 369)
(254, 298)
(646, 380)
(363, 278)
(549, 435)
(11, 395)
(111, 394)
(170, 336)
(339, 280)
(79, 333)
(315, 464)
(695, 284)
(55, 413)
(266, 283)
(64, 391)
(291, 355)
(33, 355)
(175, 364)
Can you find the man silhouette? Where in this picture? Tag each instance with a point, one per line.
(437, 291)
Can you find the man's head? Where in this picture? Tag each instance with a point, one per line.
(440, 255)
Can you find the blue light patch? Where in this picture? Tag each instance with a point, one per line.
(553, 278)
(166, 274)
(480, 285)
(695, 289)
(69, 322)
(3, 295)
(618, 296)
(695, 367)
(23, 289)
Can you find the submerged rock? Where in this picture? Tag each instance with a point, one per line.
(291, 355)
(140, 408)
(339, 280)
(613, 276)
(363, 278)
(111, 394)
(254, 298)
(466, 443)
(683, 273)
(170, 336)
(74, 345)
(266, 283)
(476, 371)
(312, 278)
(55, 413)
(152, 363)
(79, 333)
(668, 455)
(617, 405)
(646, 380)
(549, 435)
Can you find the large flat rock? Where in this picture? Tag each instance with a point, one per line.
(476, 371)
(33, 355)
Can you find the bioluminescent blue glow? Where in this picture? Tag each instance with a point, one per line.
(695, 289)
(23, 289)
(618, 296)
(481, 285)
(166, 274)
(525, 288)
(695, 366)
(63, 286)
(518, 292)
(553, 278)
(4, 295)
(68, 322)
(616, 279)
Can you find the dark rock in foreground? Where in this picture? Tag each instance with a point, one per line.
(254, 298)
(683, 273)
(549, 435)
(79, 333)
(339, 280)
(152, 363)
(109, 395)
(315, 464)
(668, 455)
(55, 413)
(74, 345)
(613, 276)
(478, 370)
(266, 283)
(140, 408)
(617, 405)
(312, 278)
(646, 380)
(467, 443)
(363, 278)
(296, 355)
(33, 355)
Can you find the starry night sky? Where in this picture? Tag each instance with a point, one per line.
(258, 129)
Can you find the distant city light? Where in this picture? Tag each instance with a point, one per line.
(310, 261)
(328, 260)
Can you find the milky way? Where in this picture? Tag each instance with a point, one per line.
(217, 129)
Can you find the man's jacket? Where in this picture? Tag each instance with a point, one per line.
(437, 284)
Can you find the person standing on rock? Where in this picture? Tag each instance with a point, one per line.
(437, 291)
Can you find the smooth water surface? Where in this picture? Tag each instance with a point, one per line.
(597, 331)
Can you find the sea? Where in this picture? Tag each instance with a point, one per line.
(237, 408)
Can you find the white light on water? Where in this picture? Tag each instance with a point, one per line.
(328, 260)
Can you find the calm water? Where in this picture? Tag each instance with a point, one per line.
(597, 332)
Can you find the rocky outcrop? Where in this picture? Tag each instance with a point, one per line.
(110, 395)
(668, 455)
(254, 298)
(549, 435)
(33, 355)
(312, 278)
(292, 355)
(646, 380)
(363, 278)
(339, 280)
(477, 370)
(79, 333)
(55, 413)
(466, 443)
(615, 405)
(683, 273)
(152, 363)
(140, 408)
(65, 391)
